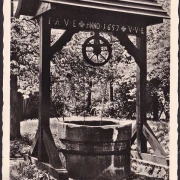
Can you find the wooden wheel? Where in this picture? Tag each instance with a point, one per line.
(96, 50)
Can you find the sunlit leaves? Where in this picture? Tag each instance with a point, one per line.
(25, 54)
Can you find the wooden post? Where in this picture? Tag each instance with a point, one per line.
(44, 84)
(141, 93)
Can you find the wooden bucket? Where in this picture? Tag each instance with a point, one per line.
(95, 151)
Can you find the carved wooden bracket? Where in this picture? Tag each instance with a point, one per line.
(125, 41)
(61, 42)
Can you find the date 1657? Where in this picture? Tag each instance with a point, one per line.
(109, 27)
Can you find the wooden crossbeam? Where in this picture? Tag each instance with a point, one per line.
(33, 149)
(150, 136)
(44, 7)
(125, 41)
(50, 152)
(59, 174)
(159, 152)
(162, 160)
(51, 149)
(61, 42)
(134, 135)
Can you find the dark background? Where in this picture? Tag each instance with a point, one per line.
(1, 77)
(179, 101)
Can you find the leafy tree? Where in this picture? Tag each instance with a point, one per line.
(158, 58)
(25, 54)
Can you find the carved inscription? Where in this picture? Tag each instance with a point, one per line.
(85, 25)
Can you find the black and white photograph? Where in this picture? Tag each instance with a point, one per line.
(90, 89)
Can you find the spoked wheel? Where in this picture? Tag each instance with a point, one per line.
(96, 50)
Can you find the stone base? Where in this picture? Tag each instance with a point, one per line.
(150, 169)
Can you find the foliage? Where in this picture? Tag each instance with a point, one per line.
(25, 53)
(18, 147)
(158, 58)
(24, 170)
(153, 171)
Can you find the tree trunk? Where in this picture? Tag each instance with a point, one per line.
(15, 109)
(89, 97)
(111, 98)
(155, 107)
(166, 106)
